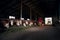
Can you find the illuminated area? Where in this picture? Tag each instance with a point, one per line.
(11, 17)
(22, 18)
(48, 20)
(29, 20)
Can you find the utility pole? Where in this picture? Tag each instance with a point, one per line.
(30, 14)
(21, 10)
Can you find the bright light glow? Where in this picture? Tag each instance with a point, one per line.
(7, 25)
(27, 22)
(28, 19)
(11, 22)
(24, 24)
(31, 23)
(48, 20)
(18, 23)
(22, 18)
(11, 17)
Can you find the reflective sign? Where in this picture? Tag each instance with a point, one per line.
(48, 20)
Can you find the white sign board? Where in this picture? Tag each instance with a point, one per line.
(48, 20)
(11, 17)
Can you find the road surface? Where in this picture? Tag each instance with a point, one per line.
(33, 33)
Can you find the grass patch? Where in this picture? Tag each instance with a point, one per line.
(15, 29)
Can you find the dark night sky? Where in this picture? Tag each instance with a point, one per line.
(12, 7)
(8, 7)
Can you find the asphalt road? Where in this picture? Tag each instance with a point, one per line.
(34, 33)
